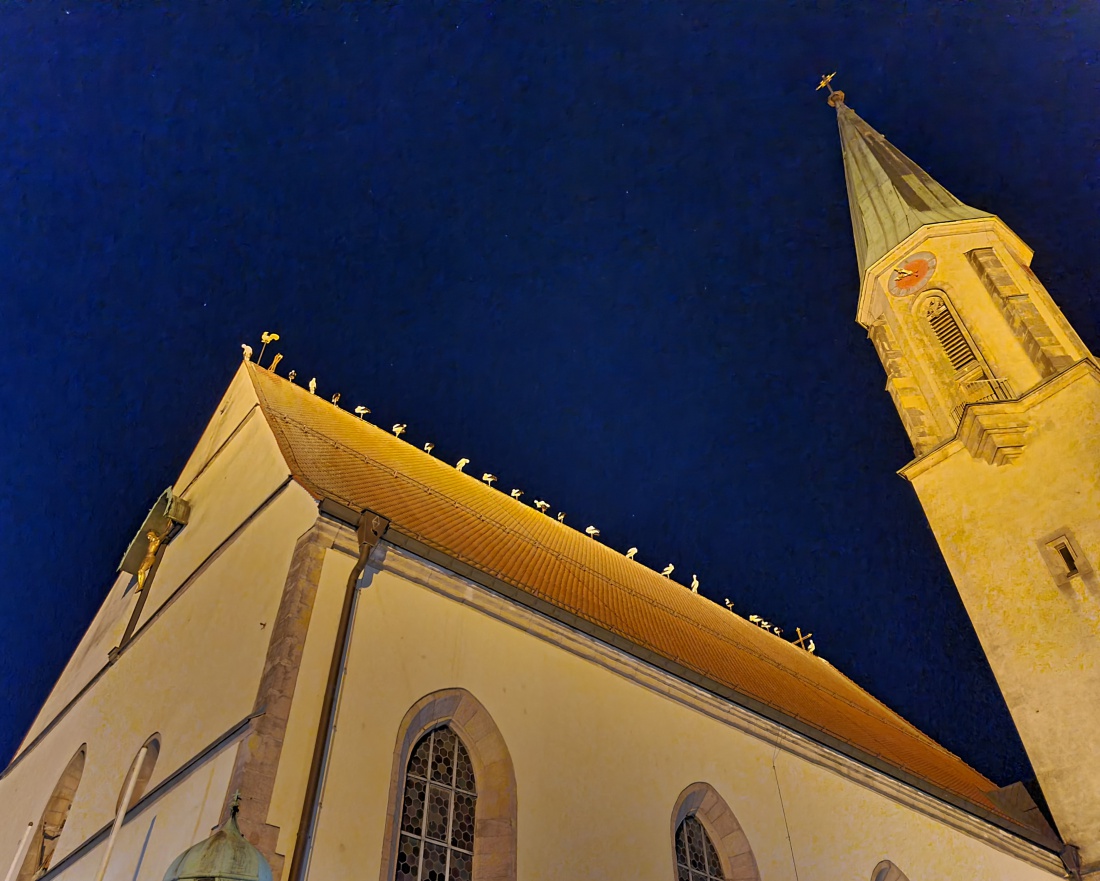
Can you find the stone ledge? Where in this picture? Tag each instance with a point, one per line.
(1086, 368)
(994, 432)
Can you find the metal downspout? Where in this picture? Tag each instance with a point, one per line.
(20, 852)
(369, 531)
(120, 814)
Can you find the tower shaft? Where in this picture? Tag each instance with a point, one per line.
(1001, 401)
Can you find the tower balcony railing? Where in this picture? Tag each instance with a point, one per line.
(982, 391)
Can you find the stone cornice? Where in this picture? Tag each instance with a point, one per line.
(989, 430)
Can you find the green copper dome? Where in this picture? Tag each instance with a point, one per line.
(225, 856)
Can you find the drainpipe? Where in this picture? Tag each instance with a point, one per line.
(123, 806)
(369, 532)
(20, 852)
(1071, 859)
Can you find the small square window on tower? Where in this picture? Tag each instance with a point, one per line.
(1064, 557)
(1065, 553)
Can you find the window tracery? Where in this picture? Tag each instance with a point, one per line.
(437, 811)
(696, 858)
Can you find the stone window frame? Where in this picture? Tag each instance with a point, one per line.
(1048, 548)
(951, 387)
(702, 801)
(494, 776)
(57, 812)
(889, 872)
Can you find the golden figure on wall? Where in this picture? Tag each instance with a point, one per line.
(155, 541)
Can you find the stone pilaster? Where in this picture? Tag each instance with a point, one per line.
(258, 754)
(911, 404)
(1027, 324)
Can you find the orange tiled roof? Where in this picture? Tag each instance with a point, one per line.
(333, 453)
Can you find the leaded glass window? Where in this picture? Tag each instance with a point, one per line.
(437, 812)
(696, 858)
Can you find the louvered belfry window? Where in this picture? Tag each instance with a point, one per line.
(696, 858)
(948, 332)
(437, 811)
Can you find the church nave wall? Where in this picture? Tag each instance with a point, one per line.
(602, 748)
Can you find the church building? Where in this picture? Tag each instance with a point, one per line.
(329, 654)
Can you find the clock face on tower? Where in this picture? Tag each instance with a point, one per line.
(912, 274)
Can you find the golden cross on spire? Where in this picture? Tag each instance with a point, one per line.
(835, 95)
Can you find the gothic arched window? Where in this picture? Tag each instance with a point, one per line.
(437, 811)
(696, 858)
(37, 861)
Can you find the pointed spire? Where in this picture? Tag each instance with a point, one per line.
(889, 195)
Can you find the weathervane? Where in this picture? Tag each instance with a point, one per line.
(835, 95)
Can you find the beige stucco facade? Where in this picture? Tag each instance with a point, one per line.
(191, 671)
(602, 748)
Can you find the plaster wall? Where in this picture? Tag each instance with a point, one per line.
(600, 758)
(236, 417)
(191, 676)
(160, 829)
(1040, 636)
(191, 673)
(236, 404)
(90, 655)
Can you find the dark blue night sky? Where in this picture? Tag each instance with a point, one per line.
(602, 250)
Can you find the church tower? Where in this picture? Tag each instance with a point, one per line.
(1001, 400)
